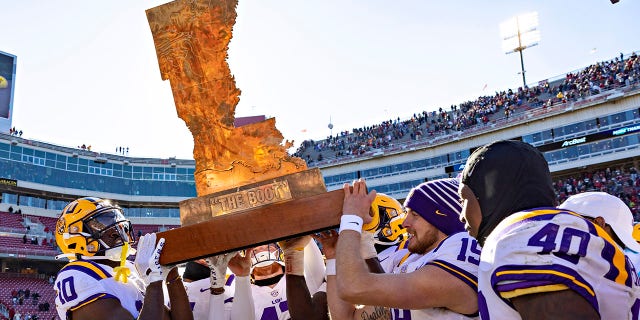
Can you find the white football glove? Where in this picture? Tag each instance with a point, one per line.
(147, 261)
(218, 265)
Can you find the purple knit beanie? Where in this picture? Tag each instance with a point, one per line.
(437, 202)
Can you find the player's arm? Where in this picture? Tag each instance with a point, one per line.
(373, 265)
(566, 304)
(243, 307)
(147, 263)
(314, 268)
(178, 299)
(301, 304)
(153, 305)
(427, 287)
(339, 308)
(103, 309)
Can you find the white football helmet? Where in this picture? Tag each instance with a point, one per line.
(264, 255)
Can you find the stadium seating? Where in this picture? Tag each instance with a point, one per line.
(24, 281)
(11, 220)
(493, 109)
(623, 182)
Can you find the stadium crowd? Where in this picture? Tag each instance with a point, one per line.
(622, 182)
(594, 79)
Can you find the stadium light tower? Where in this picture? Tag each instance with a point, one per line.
(519, 33)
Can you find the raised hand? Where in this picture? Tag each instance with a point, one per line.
(293, 250)
(147, 261)
(358, 200)
(240, 264)
(218, 265)
(328, 240)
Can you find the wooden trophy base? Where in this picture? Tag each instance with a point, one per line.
(251, 215)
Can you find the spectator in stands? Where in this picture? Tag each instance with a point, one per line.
(599, 76)
(10, 209)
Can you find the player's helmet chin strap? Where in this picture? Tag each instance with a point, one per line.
(113, 254)
(119, 253)
(122, 272)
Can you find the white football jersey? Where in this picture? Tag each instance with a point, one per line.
(271, 303)
(82, 282)
(199, 294)
(458, 254)
(549, 249)
(394, 256)
(634, 257)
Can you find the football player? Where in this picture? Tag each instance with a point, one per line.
(538, 261)
(381, 241)
(210, 296)
(305, 279)
(276, 291)
(438, 281)
(612, 215)
(99, 282)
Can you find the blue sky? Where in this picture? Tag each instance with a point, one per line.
(87, 71)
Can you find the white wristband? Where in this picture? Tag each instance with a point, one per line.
(350, 222)
(331, 267)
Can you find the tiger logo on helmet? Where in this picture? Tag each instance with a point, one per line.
(387, 218)
(93, 228)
